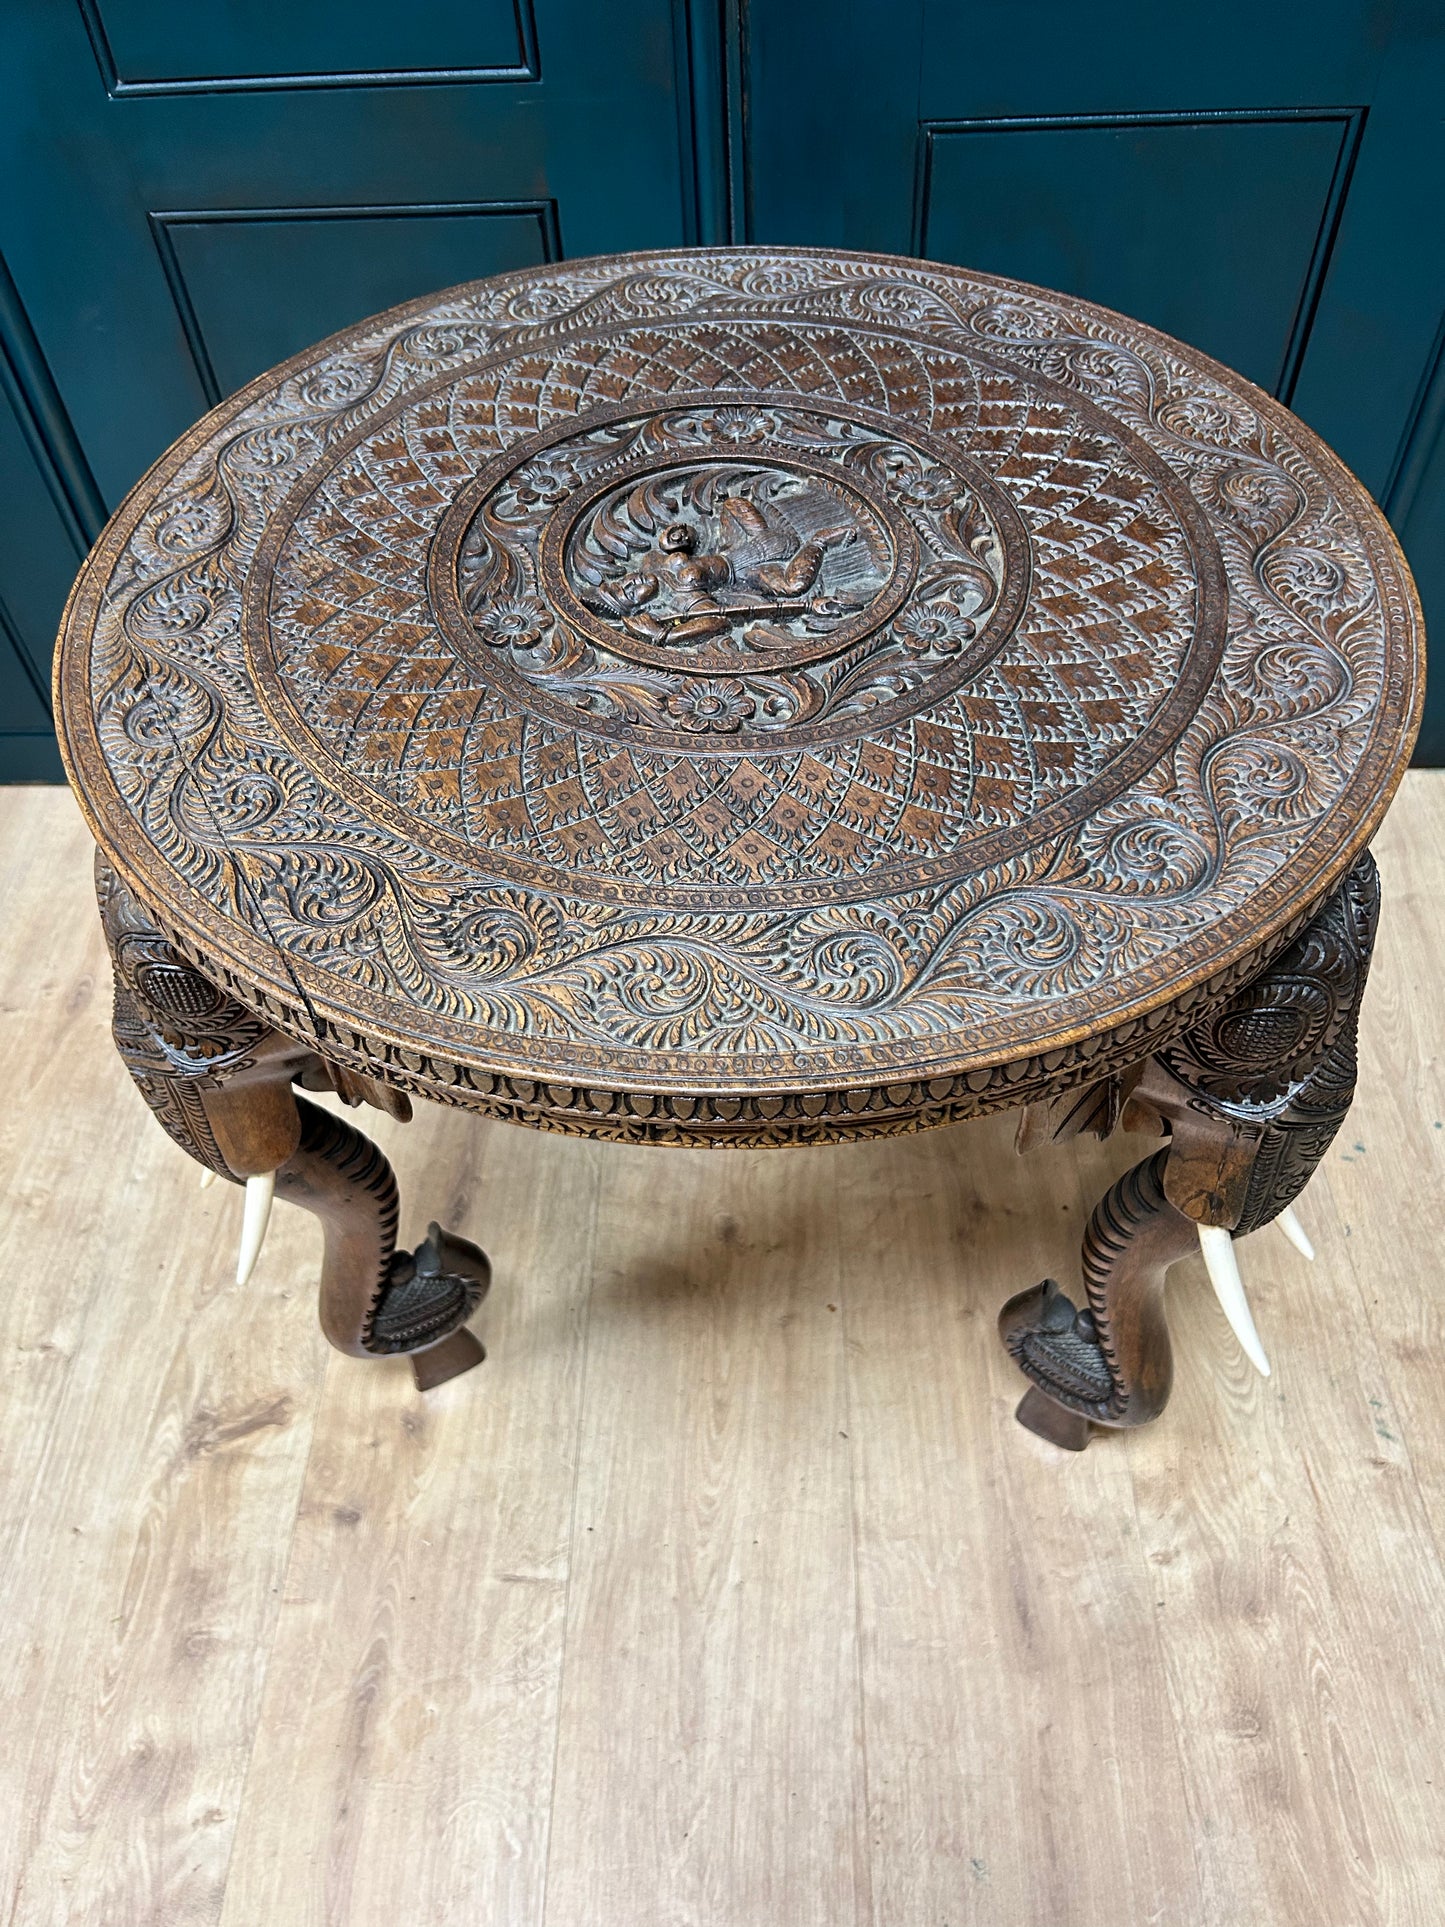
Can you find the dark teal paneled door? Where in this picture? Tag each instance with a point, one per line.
(192, 192)
(1264, 181)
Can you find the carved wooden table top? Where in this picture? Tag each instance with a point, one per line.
(753, 693)
(749, 697)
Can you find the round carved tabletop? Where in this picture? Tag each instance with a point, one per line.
(753, 693)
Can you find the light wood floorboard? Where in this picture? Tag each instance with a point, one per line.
(727, 1593)
(709, 1752)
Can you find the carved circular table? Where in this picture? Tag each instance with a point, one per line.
(748, 698)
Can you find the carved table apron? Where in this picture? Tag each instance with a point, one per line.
(748, 697)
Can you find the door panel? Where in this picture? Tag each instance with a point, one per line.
(197, 191)
(1100, 207)
(1415, 503)
(38, 558)
(255, 286)
(27, 742)
(1193, 178)
(203, 190)
(591, 152)
(158, 45)
(1264, 182)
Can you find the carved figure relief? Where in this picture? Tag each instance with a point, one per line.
(735, 565)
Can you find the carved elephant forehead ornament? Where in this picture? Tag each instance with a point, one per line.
(748, 697)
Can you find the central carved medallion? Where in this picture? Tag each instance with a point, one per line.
(736, 567)
(725, 559)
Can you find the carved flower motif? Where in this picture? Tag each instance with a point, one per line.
(1153, 855)
(1293, 679)
(550, 478)
(711, 705)
(935, 629)
(1267, 781)
(925, 488)
(325, 888)
(178, 605)
(1102, 368)
(738, 425)
(519, 624)
(491, 939)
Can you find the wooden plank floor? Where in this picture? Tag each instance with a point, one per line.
(727, 1593)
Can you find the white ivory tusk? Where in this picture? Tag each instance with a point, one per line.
(1290, 1225)
(259, 1193)
(208, 1178)
(1223, 1268)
